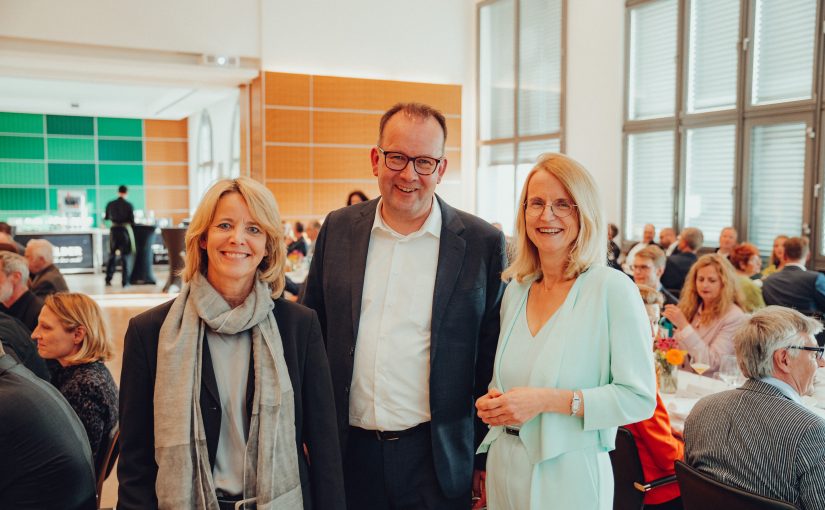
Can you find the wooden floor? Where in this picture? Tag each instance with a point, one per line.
(119, 305)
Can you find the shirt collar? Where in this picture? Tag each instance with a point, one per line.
(797, 264)
(783, 387)
(432, 225)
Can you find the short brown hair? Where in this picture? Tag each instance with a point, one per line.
(693, 238)
(741, 254)
(796, 248)
(650, 296)
(654, 254)
(73, 310)
(416, 111)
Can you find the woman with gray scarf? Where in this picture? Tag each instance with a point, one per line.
(225, 395)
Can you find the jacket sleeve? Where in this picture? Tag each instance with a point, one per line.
(810, 467)
(313, 291)
(320, 426)
(713, 347)
(137, 469)
(655, 436)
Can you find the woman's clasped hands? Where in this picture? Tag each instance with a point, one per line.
(514, 407)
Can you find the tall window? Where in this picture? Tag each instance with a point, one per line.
(207, 169)
(721, 108)
(235, 143)
(520, 98)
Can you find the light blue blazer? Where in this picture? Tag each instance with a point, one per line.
(599, 343)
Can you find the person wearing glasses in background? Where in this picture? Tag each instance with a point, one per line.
(408, 291)
(574, 356)
(760, 437)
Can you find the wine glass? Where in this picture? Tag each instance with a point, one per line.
(699, 362)
(729, 370)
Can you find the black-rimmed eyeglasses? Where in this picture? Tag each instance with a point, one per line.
(397, 161)
(820, 351)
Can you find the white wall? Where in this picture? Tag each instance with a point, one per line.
(196, 26)
(595, 91)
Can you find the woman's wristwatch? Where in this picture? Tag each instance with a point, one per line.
(576, 403)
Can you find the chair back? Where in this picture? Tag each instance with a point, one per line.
(701, 492)
(627, 470)
(106, 457)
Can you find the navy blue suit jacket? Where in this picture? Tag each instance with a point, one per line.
(792, 287)
(464, 330)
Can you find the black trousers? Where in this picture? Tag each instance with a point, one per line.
(119, 241)
(394, 474)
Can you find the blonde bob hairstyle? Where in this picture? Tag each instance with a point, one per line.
(264, 211)
(590, 246)
(729, 295)
(75, 310)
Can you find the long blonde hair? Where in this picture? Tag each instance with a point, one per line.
(73, 310)
(729, 295)
(264, 210)
(589, 248)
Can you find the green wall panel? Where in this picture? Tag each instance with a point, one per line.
(21, 123)
(66, 125)
(23, 199)
(21, 147)
(115, 175)
(119, 127)
(71, 149)
(120, 150)
(71, 174)
(22, 173)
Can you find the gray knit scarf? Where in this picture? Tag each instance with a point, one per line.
(184, 477)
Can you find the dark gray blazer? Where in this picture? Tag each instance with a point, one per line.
(321, 473)
(48, 281)
(792, 287)
(464, 330)
(757, 439)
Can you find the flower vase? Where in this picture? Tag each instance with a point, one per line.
(668, 381)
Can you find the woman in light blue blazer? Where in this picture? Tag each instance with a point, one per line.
(574, 358)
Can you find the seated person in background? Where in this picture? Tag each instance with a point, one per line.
(658, 449)
(613, 250)
(727, 241)
(18, 344)
(15, 297)
(747, 262)
(45, 461)
(678, 264)
(312, 231)
(6, 235)
(46, 278)
(648, 268)
(709, 312)
(7, 243)
(299, 244)
(648, 238)
(668, 240)
(760, 437)
(794, 286)
(776, 262)
(71, 331)
(356, 197)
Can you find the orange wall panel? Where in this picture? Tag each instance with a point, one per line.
(287, 162)
(166, 152)
(293, 198)
(287, 126)
(327, 197)
(453, 165)
(345, 128)
(166, 129)
(341, 163)
(287, 89)
(363, 94)
(165, 175)
(161, 199)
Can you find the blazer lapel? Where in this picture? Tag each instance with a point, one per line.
(360, 231)
(450, 259)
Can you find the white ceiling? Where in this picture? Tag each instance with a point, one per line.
(74, 97)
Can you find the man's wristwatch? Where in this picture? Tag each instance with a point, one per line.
(575, 404)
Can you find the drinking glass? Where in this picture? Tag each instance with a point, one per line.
(699, 362)
(729, 370)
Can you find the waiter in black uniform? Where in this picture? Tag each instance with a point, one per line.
(122, 215)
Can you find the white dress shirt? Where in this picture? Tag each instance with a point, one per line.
(391, 375)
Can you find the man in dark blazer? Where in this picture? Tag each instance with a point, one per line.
(45, 459)
(648, 267)
(45, 277)
(794, 286)
(15, 297)
(678, 264)
(760, 437)
(18, 343)
(408, 291)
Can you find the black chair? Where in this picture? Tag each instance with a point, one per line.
(701, 492)
(175, 241)
(629, 483)
(106, 458)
